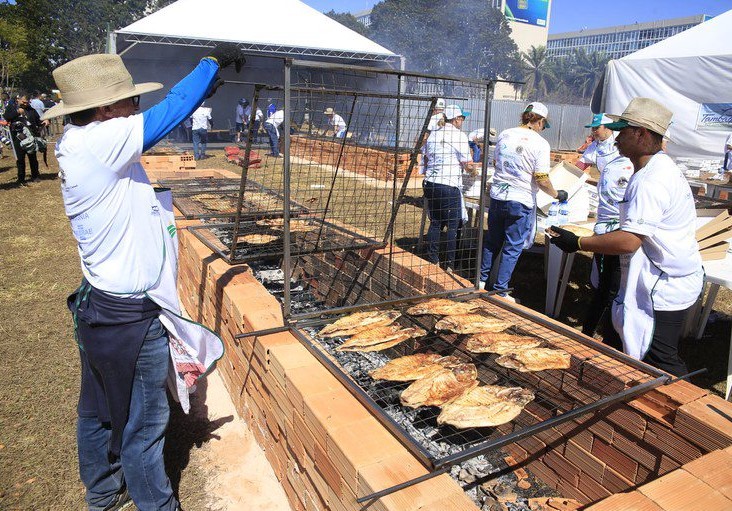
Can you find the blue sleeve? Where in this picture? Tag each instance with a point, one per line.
(179, 104)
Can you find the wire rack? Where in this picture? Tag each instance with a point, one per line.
(598, 377)
(200, 184)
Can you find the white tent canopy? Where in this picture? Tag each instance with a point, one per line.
(690, 73)
(274, 27)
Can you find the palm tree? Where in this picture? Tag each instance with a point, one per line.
(587, 71)
(536, 71)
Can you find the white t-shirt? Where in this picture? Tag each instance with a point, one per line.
(659, 205)
(113, 210)
(200, 118)
(37, 105)
(520, 153)
(434, 120)
(276, 118)
(239, 114)
(337, 123)
(445, 150)
(600, 153)
(611, 186)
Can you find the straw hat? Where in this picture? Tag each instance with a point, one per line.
(643, 113)
(92, 81)
(329, 111)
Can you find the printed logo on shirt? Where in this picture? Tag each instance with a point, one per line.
(172, 230)
(622, 182)
(155, 210)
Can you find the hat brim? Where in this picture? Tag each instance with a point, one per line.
(617, 124)
(62, 109)
(593, 125)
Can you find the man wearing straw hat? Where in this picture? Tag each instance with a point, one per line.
(126, 313)
(661, 271)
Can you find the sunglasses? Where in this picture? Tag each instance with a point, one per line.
(135, 101)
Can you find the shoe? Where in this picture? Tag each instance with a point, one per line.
(508, 298)
(23, 184)
(123, 501)
(481, 285)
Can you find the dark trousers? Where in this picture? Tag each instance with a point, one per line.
(664, 350)
(443, 203)
(608, 267)
(20, 162)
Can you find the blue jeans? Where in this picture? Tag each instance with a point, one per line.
(140, 466)
(475, 149)
(443, 203)
(200, 139)
(509, 223)
(274, 140)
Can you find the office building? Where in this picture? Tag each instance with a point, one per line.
(617, 42)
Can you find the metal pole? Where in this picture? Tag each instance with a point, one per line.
(394, 205)
(484, 178)
(287, 259)
(244, 176)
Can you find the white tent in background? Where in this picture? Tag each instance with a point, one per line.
(271, 27)
(690, 73)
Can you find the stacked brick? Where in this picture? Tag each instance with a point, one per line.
(170, 165)
(359, 159)
(666, 450)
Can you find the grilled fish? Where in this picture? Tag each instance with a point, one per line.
(296, 225)
(413, 367)
(535, 359)
(500, 342)
(471, 324)
(357, 322)
(485, 406)
(442, 307)
(379, 338)
(440, 387)
(213, 202)
(258, 239)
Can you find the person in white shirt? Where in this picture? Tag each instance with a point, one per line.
(200, 124)
(522, 168)
(336, 123)
(728, 153)
(437, 111)
(240, 117)
(448, 156)
(615, 172)
(661, 269)
(37, 104)
(272, 126)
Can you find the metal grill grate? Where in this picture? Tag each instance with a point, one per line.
(598, 376)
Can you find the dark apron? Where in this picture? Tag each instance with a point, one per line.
(110, 331)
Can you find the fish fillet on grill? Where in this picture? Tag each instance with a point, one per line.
(535, 359)
(258, 239)
(413, 367)
(357, 322)
(471, 324)
(380, 338)
(296, 225)
(500, 342)
(485, 406)
(213, 202)
(440, 387)
(442, 307)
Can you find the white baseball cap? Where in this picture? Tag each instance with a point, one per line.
(453, 111)
(440, 103)
(539, 109)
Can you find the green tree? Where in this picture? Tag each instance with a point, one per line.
(460, 37)
(538, 73)
(587, 70)
(13, 59)
(348, 20)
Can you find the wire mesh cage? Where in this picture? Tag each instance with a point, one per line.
(364, 169)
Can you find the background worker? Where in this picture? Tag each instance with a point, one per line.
(133, 341)
(25, 126)
(239, 117)
(728, 153)
(437, 111)
(258, 116)
(522, 160)
(448, 156)
(661, 271)
(335, 123)
(615, 172)
(272, 127)
(200, 124)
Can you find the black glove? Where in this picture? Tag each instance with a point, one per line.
(562, 195)
(227, 54)
(564, 239)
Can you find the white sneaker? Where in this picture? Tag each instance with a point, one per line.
(481, 285)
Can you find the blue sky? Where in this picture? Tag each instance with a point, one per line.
(568, 15)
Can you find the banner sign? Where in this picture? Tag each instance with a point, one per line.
(533, 12)
(714, 116)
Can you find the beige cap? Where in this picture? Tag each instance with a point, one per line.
(92, 81)
(329, 111)
(643, 113)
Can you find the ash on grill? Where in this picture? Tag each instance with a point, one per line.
(486, 479)
(271, 276)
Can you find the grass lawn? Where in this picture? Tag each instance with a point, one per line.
(38, 396)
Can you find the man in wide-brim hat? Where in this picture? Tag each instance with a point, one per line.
(126, 312)
(661, 271)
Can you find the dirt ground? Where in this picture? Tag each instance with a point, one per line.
(39, 268)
